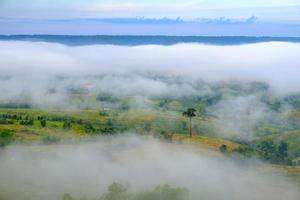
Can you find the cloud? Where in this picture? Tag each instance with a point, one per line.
(224, 20)
(43, 74)
(147, 21)
(86, 169)
(275, 63)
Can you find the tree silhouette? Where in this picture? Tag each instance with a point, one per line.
(190, 113)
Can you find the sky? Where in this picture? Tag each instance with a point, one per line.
(44, 16)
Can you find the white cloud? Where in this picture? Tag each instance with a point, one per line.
(142, 164)
(275, 63)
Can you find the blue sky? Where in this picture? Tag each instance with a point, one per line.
(284, 13)
(265, 9)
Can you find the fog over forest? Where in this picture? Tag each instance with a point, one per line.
(274, 63)
(43, 74)
(87, 169)
(242, 86)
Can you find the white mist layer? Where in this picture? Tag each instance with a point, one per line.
(86, 169)
(276, 63)
(29, 70)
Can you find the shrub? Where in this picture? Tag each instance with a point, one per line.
(164, 192)
(103, 113)
(88, 127)
(116, 191)
(6, 121)
(67, 124)
(50, 139)
(67, 197)
(166, 136)
(110, 127)
(27, 122)
(223, 148)
(107, 97)
(43, 122)
(147, 127)
(6, 137)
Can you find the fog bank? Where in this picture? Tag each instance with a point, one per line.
(47, 75)
(86, 169)
(35, 63)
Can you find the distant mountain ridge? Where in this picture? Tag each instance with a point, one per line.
(76, 40)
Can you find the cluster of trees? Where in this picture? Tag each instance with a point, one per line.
(6, 118)
(275, 153)
(88, 126)
(113, 101)
(106, 97)
(109, 127)
(15, 105)
(268, 150)
(61, 118)
(293, 100)
(6, 121)
(10, 116)
(25, 120)
(117, 191)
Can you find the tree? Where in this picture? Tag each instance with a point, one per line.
(88, 127)
(283, 148)
(116, 191)
(223, 148)
(282, 154)
(67, 197)
(147, 127)
(6, 137)
(110, 127)
(67, 124)
(190, 113)
(164, 192)
(43, 122)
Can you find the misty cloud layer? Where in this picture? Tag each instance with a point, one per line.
(86, 169)
(32, 65)
(45, 74)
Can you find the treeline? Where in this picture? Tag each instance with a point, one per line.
(268, 150)
(15, 105)
(89, 126)
(117, 191)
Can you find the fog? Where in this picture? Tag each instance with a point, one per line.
(31, 66)
(49, 75)
(44, 75)
(86, 169)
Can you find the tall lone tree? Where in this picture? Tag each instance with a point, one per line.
(190, 113)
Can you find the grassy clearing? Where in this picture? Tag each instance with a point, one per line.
(54, 124)
(205, 142)
(292, 172)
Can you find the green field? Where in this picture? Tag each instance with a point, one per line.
(24, 125)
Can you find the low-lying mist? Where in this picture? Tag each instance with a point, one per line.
(86, 170)
(47, 75)
(32, 66)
